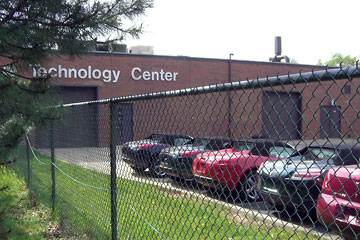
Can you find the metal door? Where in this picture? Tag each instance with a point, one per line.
(281, 115)
(124, 123)
(330, 122)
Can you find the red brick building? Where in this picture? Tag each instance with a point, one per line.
(100, 75)
(115, 75)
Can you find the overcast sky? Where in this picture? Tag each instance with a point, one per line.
(310, 29)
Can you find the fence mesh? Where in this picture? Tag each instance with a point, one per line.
(273, 158)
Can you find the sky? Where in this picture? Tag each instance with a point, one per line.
(310, 29)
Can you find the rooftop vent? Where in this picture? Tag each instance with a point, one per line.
(278, 56)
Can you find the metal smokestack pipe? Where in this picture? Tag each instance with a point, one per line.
(277, 46)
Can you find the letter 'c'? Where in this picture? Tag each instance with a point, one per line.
(133, 73)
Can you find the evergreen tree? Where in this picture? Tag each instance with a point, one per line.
(33, 30)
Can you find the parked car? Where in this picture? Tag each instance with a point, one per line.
(296, 182)
(177, 162)
(338, 205)
(144, 154)
(234, 169)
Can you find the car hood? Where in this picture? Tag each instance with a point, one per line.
(286, 167)
(222, 155)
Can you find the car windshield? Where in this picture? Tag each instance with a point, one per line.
(280, 152)
(157, 137)
(242, 146)
(318, 154)
(179, 141)
(217, 144)
(200, 142)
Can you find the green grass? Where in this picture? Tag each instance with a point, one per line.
(86, 211)
(21, 217)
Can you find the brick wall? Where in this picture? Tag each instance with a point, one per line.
(192, 72)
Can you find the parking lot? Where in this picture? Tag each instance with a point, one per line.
(88, 158)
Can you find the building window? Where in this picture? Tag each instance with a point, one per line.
(347, 89)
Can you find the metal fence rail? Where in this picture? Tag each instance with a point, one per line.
(270, 158)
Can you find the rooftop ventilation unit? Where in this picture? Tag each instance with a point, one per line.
(142, 50)
(102, 47)
(118, 48)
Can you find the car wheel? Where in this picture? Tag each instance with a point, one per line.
(156, 170)
(188, 178)
(248, 183)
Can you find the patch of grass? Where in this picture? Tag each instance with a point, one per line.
(20, 215)
(86, 211)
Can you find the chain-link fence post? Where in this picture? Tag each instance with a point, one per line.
(229, 130)
(52, 165)
(113, 171)
(28, 168)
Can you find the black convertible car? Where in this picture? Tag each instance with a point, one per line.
(144, 154)
(296, 182)
(177, 161)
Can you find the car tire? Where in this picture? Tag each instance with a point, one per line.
(155, 170)
(188, 179)
(248, 186)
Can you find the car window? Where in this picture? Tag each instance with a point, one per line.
(157, 137)
(318, 154)
(225, 145)
(181, 141)
(280, 152)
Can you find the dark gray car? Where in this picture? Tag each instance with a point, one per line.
(144, 154)
(296, 182)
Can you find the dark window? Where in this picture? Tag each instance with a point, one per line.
(347, 89)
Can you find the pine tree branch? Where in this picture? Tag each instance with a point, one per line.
(3, 71)
(34, 91)
(12, 13)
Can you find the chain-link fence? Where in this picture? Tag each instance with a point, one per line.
(272, 158)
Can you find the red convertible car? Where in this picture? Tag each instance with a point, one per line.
(234, 169)
(338, 206)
